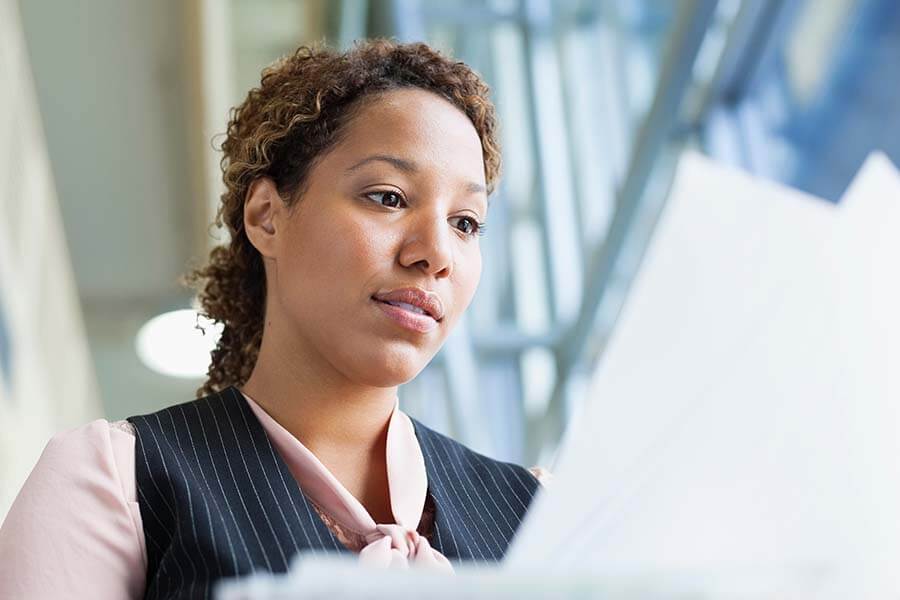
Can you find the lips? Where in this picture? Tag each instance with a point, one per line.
(414, 300)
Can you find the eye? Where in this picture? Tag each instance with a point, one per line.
(387, 198)
(468, 225)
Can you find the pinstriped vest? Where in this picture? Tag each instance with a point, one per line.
(217, 500)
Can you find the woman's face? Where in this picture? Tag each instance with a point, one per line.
(386, 228)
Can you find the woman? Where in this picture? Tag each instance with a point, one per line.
(356, 189)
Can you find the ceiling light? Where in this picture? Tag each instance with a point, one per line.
(172, 345)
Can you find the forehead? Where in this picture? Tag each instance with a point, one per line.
(418, 126)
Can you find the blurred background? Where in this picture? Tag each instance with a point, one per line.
(109, 110)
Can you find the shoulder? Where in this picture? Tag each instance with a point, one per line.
(76, 514)
(500, 473)
(94, 445)
(96, 458)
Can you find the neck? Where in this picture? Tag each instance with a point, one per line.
(328, 413)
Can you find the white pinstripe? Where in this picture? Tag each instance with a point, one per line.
(153, 513)
(222, 489)
(481, 517)
(176, 535)
(212, 530)
(523, 486)
(510, 487)
(155, 516)
(312, 518)
(162, 566)
(153, 481)
(312, 521)
(291, 497)
(212, 495)
(493, 465)
(450, 509)
(449, 481)
(164, 584)
(253, 483)
(437, 536)
(238, 487)
(266, 475)
(457, 521)
(474, 466)
(149, 539)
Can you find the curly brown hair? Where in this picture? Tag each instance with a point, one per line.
(299, 111)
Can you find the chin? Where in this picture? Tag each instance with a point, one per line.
(389, 367)
(387, 375)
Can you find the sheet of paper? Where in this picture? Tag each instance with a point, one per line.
(745, 413)
(872, 285)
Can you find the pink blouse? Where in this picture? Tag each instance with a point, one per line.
(75, 528)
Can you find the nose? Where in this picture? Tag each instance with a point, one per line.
(427, 246)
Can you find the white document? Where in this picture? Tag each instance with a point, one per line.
(746, 415)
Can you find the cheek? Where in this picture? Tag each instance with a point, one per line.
(336, 255)
(468, 274)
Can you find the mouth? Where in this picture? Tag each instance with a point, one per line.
(407, 316)
(414, 300)
(405, 306)
(414, 312)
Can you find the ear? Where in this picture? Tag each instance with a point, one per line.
(263, 210)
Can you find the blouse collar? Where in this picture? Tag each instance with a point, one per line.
(407, 479)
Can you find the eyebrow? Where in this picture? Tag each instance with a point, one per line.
(409, 167)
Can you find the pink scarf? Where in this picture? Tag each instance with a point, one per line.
(388, 544)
